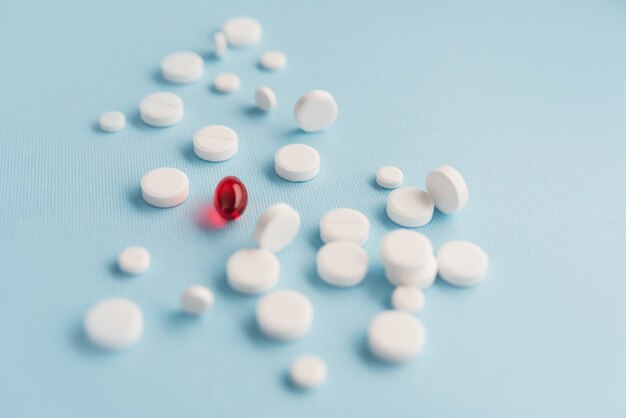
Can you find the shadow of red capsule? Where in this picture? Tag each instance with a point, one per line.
(208, 218)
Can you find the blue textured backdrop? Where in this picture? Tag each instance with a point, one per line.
(526, 98)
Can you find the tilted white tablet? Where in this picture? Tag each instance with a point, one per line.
(226, 82)
(410, 207)
(284, 314)
(220, 44)
(315, 111)
(407, 298)
(297, 162)
(462, 263)
(422, 277)
(273, 60)
(161, 109)
(308, 371)
(396, 336)
(165, 187)
(242, 31)
(389, 177)
(196, 300)
(342, 263)
(344, 225)
(113, 121)
(277, 227)
(448, 189)
(265, 98)
(252, 270)
(114, 323)
(215, 143)
(134, 260)
(405, 249)
(182, 67)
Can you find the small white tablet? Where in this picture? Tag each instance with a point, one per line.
(277, 227)
(344, 224)
(252, 270)
(297, 162)
(165, 187)
(410, 207)
(284, 315)
(315, 111)
(215, 143)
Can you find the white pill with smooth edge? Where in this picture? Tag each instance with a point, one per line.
(226, 82)
(389, 177)
(112, 121)
(284, 315)
(407, 298)
(422, 277)
(252, 270)
(342, 263)
(165, 187)
(308, 371)
(344, 224)
(114, 323)
(161, 109)
(462, 263)
(273, 60)
(182, 67)
(410, 207)
(196, 300)
(220, 44)
(315, 111)
(405, 249)
(297, 162)
(277, 227)
(448, 189)
(215, 143)
(265, 98)
(134, 260)
(242, 31)
(396, 336)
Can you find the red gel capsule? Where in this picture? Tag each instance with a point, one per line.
(230, 198)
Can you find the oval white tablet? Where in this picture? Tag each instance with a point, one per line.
(165, 187)
(226, 82)
(114, 323)
(344, 225)
(407, 298)
(273, 60)
(265, 98)
(315, 111)
(215, 143)
(462, 263)
(161, 109)
(405, 249)
(196, 300)
(284, 314)
(113, 121)
(307, 371)
(342, 263)
(410, 207)
(182, 67)
(448, 189)
(422, 277)
(252, 270)
(220, 44)
(242, 31)
(297, 162)
(396, 336)
(277, 227)
(134, 260)
(389, 177)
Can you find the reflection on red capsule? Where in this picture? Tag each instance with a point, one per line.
(230, 198)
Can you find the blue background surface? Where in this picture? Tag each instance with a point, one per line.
(526, 98)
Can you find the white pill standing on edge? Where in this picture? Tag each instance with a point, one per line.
(242, 31)
(265, 98)
(134, 260)
(448, 189)
(277, 227)
(284, 314)
(421, 277)
(407, 298)
(196, 300)
(462, 263)
(161, 109)
(252, 270)
(297, 162)
(182, 67)
(389, 177)
(307, 371)
(315, 111)
(344, 224)
(273, 60)
(215, 143)
(396, 336)
(114, 323)
(165, 187)
(226, 82)
(220, 44)
(405, 249)
(112, 121)
(410, 207)
(342, 263)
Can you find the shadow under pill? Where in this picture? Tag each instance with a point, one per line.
(253, 111)
(270, 173)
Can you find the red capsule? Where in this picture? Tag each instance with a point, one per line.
(231, 198)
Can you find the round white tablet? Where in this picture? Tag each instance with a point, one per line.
(422, 277)
(297, 162)
(182, 67)
(164, 187)
(405, 249)
(112, 121)
(448, 189)
(407, 298)
(134, 260)
(242, 31)
(315, 111)
(284, 314)
(215, 143)
(226, 82)
(342, 263)
(410, 207)
(396, 336)
(308, 371)
(114, 323)
(265, 98)
(252, 270)
(196, 300)
(389, 177)
(220, 44)
(344, 225)
(277, 227)
(161, 109)
(462, 263)
(273, 60)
